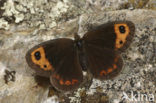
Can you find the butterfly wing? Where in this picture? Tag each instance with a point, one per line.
(57, 59)
(103, 63)
(103, 45)
(113, 35)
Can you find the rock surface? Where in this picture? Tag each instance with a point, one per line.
(24, 24)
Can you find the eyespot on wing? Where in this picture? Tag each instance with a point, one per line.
(36, 60)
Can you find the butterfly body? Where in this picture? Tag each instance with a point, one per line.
(98, 51)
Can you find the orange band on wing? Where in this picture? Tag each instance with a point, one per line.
(42, 62)
(74, 81)
(121, 37)
(103, 72)
(110, 69)
(66, 82)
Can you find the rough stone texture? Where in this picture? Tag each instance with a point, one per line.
(24, 24)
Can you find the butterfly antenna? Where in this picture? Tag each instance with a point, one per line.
(76, 36)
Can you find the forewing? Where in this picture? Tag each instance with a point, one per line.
(113, 35)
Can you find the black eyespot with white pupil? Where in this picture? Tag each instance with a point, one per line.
(37, 55)
(122, 29)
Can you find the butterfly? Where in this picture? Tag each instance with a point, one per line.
(62, 60)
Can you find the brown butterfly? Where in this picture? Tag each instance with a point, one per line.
(98, 51)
